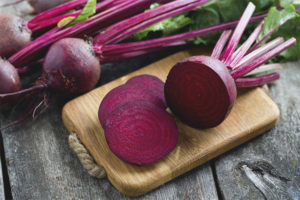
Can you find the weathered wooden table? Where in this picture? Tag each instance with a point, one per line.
(37, 162)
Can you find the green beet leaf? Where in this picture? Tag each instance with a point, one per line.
(88, 10)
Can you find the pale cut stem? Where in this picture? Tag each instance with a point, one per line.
(239, 54)
(221, 44)
(259, 52)
(256, 81)
(238, 32)
(264, 68)
(263, 39)
(240, 71)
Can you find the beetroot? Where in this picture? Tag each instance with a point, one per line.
(140, 132)
(124, 94)
(201, 90)
(71, 70)
(14, 34)
(10, 82)
(154, 84)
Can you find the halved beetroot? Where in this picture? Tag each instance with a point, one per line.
(152, 83)
(200, 91)
(140, 132)
(124, 94)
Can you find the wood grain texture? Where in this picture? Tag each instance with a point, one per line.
(268, 167)
(253, 113)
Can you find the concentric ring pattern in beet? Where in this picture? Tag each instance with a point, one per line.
(124, 94)
(200, 91)
(154, 84)
(140, 132)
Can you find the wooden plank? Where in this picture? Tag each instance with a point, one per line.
(268, 167)
(253, 113)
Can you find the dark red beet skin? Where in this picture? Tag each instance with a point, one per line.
(154, 84)
(71, 67)
(141, 133)
(14, 34)
(200, 91)
(124, 94)
(10, 82)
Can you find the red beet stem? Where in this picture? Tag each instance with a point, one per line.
(125, 28)
(238, 32)
(239, 54)
(256, 81)
(221, 44)
(264, 68)
(259, 52)
(133, 49)
(57, 10)
(269, 33)
(37, 48)
(263, 39)
(164, 41)
(127, 55)
(240, 71)
(25, 91)
(53, 21)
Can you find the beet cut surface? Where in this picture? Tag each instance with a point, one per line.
(200, 91)
(154, 84)
(124, 94)
(141, 133)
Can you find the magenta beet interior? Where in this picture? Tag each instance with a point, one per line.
(200, 91)
(124, 94)
(141, 133)
(154, 84)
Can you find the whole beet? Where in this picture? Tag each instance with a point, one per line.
(14, 34)
(71, 67)
(10, 82)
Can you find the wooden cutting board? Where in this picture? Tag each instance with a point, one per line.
(253, 113)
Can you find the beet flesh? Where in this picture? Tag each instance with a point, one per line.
(14, 34)
(124, 94)
(140, 132)
(42, 5)
(200, 91)
(154, 84)
(10, 82)
(71, 67)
